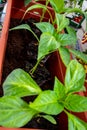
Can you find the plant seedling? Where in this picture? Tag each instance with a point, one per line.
(15, 112)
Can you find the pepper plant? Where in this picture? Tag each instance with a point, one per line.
(15, 112)
(52, 39)
(63, 97)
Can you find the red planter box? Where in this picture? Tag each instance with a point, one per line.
(4, 35)
(2, 128)
(18, 10)
(57, 68)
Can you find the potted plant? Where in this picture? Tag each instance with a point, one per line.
(70, 68)
(47, 103)
(36, 13)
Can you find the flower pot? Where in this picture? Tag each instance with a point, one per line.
(54, 60)
(4, 35)
(56, 66)
(18, 14)
(35, 13)
(2, 128)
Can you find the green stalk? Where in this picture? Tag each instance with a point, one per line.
(44, 11)
(35, 36)
(66, 112)
(34, 68)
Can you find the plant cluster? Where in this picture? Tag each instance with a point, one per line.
(63, 97)
(15, 112)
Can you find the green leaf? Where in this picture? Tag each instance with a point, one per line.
(72, 33)
(76, 103)
(22, 26)
(57, 6)
(66, 39)
(75, 77)
(27, 27)
(14, 112)
(75, 123)
(45, 27)
(47, 102)
(50, 118)
(59, 89)
(26, 2)
(19, 83)
(79, 54)
(62, 22)
(65, 55)
(37, 6)
(47, 45)
(75, 10)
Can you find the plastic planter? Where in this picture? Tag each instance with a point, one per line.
(35, 13)
(4, 35)
(57, 68)
(3, 128)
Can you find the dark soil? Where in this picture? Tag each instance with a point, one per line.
(21, 52)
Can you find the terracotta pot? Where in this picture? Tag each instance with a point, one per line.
(56, 66)
(35, 13)
(3, 128)
(18, 10)
(59, 68)
(4, 35)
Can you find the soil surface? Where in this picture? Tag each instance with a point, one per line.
(22, 52)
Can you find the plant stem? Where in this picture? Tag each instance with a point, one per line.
(44, 11)
(35, 36)
(34, 68)
(66, 112)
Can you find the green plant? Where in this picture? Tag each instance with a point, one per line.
(15, 112)
(63, 97)
(52, 40)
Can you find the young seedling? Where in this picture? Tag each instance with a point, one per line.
(52, 40)
(15, 112)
